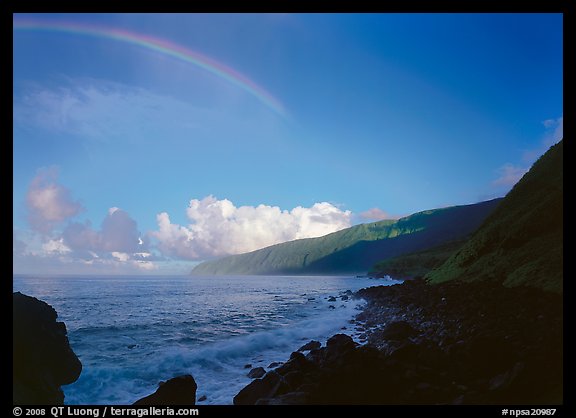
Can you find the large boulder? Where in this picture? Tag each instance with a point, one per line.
(256, 373)
(312, 345)
(179, 390)
(270, 386)
(398, 331)
(42, 359)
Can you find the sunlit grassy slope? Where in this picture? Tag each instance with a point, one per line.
(521, 242)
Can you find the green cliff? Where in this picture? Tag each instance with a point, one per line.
(521, 242)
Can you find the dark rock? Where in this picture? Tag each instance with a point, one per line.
(294, 379)
(42, 359)
(336, 347)
(481, 357)
(275, 364)
(405, 352)
(247, 366)
(292, 398)
(312, 345)
(315, 355)
(297, 362)
(256, 373)
(272, 384)
(344, 297)
(311, 298)
(202, 398)
(399, 330)
(331, 299)
(452, 343)
(331, 307)
(179, 390)
(340, 342)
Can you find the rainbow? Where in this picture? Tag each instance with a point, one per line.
(161, 46)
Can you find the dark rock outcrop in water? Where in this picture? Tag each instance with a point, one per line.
(311, 345)
(179, 390)
(256, 373)
(42, 358)
(453, 343)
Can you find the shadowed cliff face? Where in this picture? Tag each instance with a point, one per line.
(42, 357)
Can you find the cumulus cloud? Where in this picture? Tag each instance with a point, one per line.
(115, 248)
(49, 203)
(219, 228)
(118, 245)
(55, 246)
(119, 233)
(55, 243)
(375, 214)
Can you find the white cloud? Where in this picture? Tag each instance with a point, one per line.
(93, 109)
(116, 248)
(509, 175)
(49, 203)
(219, 228)
(555, 129)
(375, 214)
(554, 132)
(18, 245)
(119, 233)
(120, 256)
(55, 246)
(38, 256)
(53, 263)
(100, 111)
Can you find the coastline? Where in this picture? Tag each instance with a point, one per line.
(453, 343)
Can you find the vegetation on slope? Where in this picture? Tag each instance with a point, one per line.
(417, 264)
(521, 242)
(356, 249)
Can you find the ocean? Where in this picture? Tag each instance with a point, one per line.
(131, 332)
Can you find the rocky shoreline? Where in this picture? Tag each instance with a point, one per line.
(453, 343)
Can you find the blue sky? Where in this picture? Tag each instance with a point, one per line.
(131, 160)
